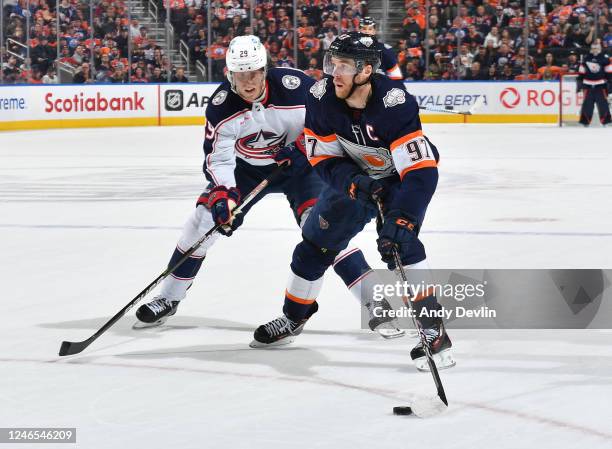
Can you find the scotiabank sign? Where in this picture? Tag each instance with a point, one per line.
(81, 102)
(46, 102)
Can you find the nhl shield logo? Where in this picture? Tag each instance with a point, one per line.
(394, 97)
(173, 100)
(291, 82)
(323, 223)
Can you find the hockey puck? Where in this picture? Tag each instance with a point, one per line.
(402, 411)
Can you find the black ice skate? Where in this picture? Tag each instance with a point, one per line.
(440, 345)
(280, 331)
(381, 322)
(155, 313)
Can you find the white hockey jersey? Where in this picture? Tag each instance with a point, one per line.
(239, 132)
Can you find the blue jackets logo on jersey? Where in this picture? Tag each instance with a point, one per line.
(291, 82)
(260, 145)
(219, 98)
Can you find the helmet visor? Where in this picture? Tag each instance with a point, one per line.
(335, 66)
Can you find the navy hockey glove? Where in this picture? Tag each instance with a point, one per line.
(579, 86)
(367, 190)
(397, 233)
(221, 201)
(293, 157)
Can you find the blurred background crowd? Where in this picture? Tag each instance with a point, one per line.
(154, 41)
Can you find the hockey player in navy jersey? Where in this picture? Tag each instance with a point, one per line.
(594, 75)
(364, 138)
(253, 122)
(388, 59)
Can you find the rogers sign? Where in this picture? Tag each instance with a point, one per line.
(510, 97)
(95, 103)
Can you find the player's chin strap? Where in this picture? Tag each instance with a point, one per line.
(356, 84)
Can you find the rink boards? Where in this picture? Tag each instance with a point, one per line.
(108, 105)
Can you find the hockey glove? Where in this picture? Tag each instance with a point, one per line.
(221, 201)
(579, 86)
(367, 190)
(396, 234)
(293, 157)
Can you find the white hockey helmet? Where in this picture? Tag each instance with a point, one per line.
(245, 54)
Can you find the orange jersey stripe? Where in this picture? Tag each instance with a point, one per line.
(426, 294)
(422, 164)
(298, 300)
(397, 142)
(315, 160)
(330, 138)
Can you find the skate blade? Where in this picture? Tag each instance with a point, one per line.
(138, 325)
(443, 359)
(284, 342)
(389, 334)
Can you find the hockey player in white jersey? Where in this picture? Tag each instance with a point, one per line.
(254, 121)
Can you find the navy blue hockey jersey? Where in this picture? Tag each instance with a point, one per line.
(595, 70)
(388, 61)
(384, 140)
(253, 132)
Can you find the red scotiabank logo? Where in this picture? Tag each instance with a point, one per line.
(510, 97)
(94, 103)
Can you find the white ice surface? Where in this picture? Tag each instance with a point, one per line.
(89, 217)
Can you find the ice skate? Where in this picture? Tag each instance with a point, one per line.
(440, 345)
(155, 313)
(280, 331)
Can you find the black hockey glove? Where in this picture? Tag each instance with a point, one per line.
(579, 85)
(293, 157)
(221, 201)
(367, 190)
(397, 233)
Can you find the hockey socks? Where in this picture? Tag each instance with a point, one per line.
(352, 268)
(424, 302)
(300, 296)
(176, 285)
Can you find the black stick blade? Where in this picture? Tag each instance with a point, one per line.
(71, 348)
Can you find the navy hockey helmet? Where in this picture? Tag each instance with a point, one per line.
(367, 21)
(360, 47)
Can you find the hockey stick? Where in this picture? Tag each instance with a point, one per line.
(477, 104)
(71, 348)
(429, 406)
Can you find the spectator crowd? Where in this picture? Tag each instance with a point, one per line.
(467, 39)
(499, 39)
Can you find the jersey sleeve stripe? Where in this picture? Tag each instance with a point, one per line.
(330, 138)
(395, 73)
(315, 160)
(397, 142)
(422, 164)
